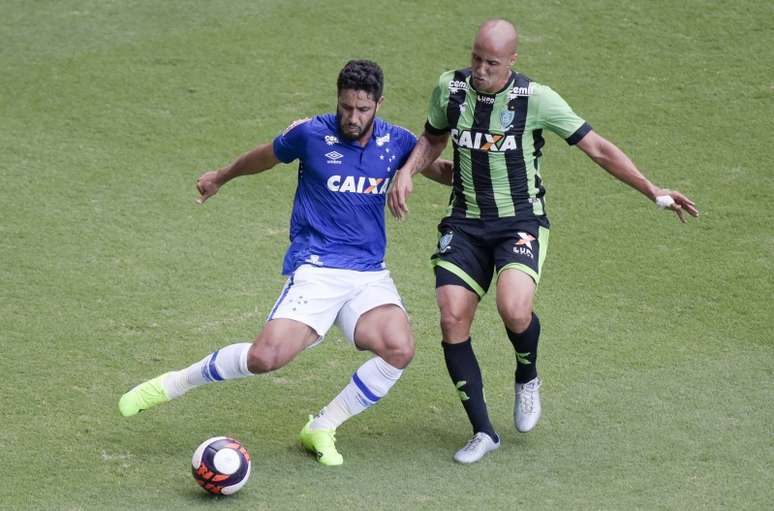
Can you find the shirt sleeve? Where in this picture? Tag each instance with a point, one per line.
(557, 116)
(437, 122)
(289, 145)
(407, 143)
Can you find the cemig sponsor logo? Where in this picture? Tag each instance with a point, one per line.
(457, 85)
(362, 184)
(515, 92)
(484, 141)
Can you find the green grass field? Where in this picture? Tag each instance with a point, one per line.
(657, 349)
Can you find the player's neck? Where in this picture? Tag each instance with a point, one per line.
(362, 141)
(500, 87)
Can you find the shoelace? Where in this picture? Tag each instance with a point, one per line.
(473, 443)
(527, 396)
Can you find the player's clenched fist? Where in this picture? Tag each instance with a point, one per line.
(397, 198)
(208, 185)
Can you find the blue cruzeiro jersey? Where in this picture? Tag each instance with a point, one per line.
(338, 211)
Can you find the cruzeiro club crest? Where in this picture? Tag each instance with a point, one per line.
(506, 118)
(444, 244)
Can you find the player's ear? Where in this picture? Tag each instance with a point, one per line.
(379, 103)
(513, 58)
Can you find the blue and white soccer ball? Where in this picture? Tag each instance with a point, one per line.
(221, 465)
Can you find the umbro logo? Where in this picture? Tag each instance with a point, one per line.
(334, 157)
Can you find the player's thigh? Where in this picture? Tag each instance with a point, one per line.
(313, 296)
(457, 305)
(463, 252)
(278, 343)
(385, 331)
(515, 298)
(375, 318)
(522, 249)
(519, 261)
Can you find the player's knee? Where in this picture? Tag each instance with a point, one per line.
(262, 359)
(454, 324)
(398, 351)
(516, 318)
(403, 352)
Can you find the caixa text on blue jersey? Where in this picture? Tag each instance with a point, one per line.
(362, 184)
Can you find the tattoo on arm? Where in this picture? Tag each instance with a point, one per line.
(428, 149)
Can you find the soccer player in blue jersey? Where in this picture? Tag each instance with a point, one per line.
(335, 262)
(496, 223)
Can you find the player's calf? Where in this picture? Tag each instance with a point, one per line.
(278, 343)
(368, 385)
(385, 332)
(227, 363)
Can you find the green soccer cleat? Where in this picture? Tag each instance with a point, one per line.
(143, 396)
(321, 442)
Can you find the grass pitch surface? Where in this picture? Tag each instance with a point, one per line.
(656, 351)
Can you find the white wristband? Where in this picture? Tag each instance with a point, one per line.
(664, 201)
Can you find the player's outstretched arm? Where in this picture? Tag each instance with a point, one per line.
(259, 159)
(608, 156)
(440, 171)
(429, 147)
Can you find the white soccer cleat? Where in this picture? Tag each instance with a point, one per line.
(526, 409)
(476, 448)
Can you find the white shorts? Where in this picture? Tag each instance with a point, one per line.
(321, 297)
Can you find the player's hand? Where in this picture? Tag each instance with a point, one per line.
(207, 186)
(677, 202)
(397, 197)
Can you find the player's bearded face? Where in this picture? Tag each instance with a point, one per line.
(356, 111)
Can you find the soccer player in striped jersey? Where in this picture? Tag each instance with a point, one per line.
(496, 222)
(335, 261)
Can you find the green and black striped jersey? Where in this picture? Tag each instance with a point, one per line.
(497, 140)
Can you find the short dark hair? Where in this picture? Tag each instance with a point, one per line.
(362, 75)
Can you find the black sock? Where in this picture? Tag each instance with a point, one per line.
(526, 344)
(466, 376)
